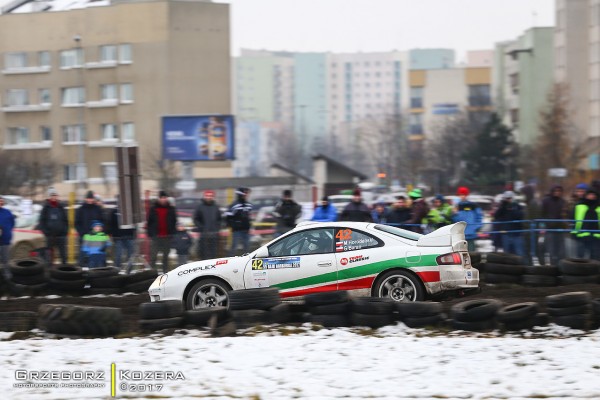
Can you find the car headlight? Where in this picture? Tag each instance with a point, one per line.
(159, 281)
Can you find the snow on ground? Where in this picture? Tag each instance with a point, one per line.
(391, 363)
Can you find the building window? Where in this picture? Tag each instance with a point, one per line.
(514, 117)
(108, 92)
(108, 53)
(44, 58)
(127, 132)
(514, 82)
(109, 171)
(18, 135)
(125, 53)
(126, 92)
(73, 133)
(73, 95)
(416, 97)
(44, 96)
(75, 172)
(17, 97)
(15, 60)
(71, 58)
(416, 124)
(45, 134)
(479, 96)
(109, 131)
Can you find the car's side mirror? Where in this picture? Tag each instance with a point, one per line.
(263, 252)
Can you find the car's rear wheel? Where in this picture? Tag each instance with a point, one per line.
(399, 286)
(207, 293)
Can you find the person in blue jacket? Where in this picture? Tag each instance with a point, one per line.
(7, 224)
(326, 212)
(470, 213)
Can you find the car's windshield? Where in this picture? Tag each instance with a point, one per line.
(403, 233)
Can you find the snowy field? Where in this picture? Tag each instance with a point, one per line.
(348, 363)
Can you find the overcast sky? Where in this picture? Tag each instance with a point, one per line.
(382, 25)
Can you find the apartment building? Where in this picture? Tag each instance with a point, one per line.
(77, 82)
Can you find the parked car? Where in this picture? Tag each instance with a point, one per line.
(339, 201)
(366, 258)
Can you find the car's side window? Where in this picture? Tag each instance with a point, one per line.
(314, 241)
(347, 239)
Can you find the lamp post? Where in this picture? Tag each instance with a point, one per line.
(81, 176)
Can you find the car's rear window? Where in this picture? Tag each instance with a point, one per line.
(403, 233)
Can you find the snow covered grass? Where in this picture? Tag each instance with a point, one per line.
(308, 362)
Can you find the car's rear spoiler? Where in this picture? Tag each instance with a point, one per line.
(450, 235)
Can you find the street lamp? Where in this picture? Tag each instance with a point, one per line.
(81, 177)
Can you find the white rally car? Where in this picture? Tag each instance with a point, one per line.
(373, 259)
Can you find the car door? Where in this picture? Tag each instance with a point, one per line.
(303, 262)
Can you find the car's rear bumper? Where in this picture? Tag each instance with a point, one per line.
(454, 277)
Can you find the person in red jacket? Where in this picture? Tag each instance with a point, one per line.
(161, 226)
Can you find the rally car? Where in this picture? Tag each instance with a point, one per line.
(370, 259)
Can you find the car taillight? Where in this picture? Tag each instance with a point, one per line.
(449, 259)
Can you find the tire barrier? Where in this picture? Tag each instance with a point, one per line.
(475, 315)
(13, 321)
(28, 277)
(574, 309)
(160, 315)
(574, 271)
(71, 319)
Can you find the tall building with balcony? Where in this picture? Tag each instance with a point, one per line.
(77, 82)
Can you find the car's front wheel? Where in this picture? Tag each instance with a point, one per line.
(207, 293)
(399, 286)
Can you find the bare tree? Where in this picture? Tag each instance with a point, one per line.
(164, 172)
(27, 176)
(288, 151)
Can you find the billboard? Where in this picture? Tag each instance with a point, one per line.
(198, 137)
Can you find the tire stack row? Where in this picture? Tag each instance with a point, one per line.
(475, 315)
(329, 309)
(69, 319)
(541, 276)
(516, 317)
(13, 321)
(579, 271)
(67, 278)
(420, 314)
(596, 310)
(573, 309)
(502, 268)
(28, 276)
(159, 315)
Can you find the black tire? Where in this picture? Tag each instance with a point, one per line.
(161, 309)
(110, 282)
(577, 279)
(539, 280)
(29, 280)
(67, 286)
(573, 310)
(138, 287)
(66, 272)
(254, 299)
(141, 276)
(400, 286)
(226, 329)
(371, 320)
(18, 290)
(575, 321)
(481, 267)
(94, 291)
(26, 266)
(422, 322)
(102, 272)
(13, 321)
(79, 320)
(504, 269)
(476, 326)
(489, 277)
(569, 299)
(548, 270)
(475, 310)
(418, 309)
(202, 316)
(526, 324)
(249, 318)
(579, 266)
(475, 257)
(517, 312)
(280, 314)
(331, 309)
(330, 321)
(596, 306)
(321, 299)
(503, 258)
(373, 306)
(159, 324)
(194, 302)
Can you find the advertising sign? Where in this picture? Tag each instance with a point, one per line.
(198, 137)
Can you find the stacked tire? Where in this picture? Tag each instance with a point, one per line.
(106, 280)
(575, 271)
(139, 282)
(66, 278)
(203, 317)
(573, 309)
(420, 314)
(252, 307)
(28, 276)
(475, 315)
(158, 315)
(14, 321)
(69, 319)
(373, 312)
(328, 309)
(516, 317)
(503, 268)
(541, 276)
(596, 312)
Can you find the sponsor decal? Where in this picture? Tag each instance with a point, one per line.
(276, 263)
(358, 258)
(221, 262)
(344, 261)
(339, 246)
(196, 269)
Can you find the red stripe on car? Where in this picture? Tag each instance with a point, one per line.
(429, 276)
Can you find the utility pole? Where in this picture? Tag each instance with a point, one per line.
(80, 170)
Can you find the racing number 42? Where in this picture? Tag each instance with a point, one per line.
(344, 234)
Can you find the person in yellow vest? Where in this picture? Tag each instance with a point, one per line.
(587, 219)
